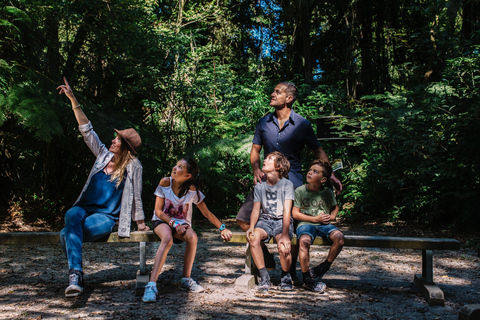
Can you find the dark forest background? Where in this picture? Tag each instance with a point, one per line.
(194, 77)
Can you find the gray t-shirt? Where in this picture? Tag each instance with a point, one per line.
(273, 197)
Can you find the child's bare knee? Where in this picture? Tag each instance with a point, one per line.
(191, 237)
(167, 241)
(338, 238)
(254, 242)
(305, 244)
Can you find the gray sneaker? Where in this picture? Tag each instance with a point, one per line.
(286, 282)
(190, 285)
(263, 284)
(75, 284)
(313, 285)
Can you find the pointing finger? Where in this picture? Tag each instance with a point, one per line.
(66, 82)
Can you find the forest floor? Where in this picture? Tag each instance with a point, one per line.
(363, 283)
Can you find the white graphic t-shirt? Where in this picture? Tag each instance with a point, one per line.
(175, 207)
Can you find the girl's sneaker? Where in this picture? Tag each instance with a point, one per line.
(190, 285)
(151, 292)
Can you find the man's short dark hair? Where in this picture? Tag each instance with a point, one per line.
(291, 90)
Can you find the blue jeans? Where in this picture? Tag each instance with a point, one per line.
(313, 231)
(82, 226)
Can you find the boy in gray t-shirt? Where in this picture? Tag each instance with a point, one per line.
(272, 205)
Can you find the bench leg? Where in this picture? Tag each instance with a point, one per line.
(247, 281)
(469, 312)
(143, 258)
(427, 266)
(249, 263)
(424, 283)
(142, 275)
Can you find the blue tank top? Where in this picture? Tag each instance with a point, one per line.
(102, 195)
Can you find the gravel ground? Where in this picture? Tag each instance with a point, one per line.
(362, 284)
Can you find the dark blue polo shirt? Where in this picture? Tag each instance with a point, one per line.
(290, 140)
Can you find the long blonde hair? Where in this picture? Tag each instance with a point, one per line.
(120, 165)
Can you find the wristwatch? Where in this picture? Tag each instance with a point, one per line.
(222, 227)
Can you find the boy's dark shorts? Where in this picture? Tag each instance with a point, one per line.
(156, 223)
(273, 227)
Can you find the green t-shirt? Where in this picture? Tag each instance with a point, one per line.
(314, 202)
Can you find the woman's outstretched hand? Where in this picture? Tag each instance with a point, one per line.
(65, 88)
(79, 114)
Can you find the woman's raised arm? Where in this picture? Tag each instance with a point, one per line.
(77, 110)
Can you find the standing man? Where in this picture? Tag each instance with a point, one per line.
(287, 132)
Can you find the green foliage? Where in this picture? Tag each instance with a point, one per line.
(226, 175)
(26, 103)
(194, 77)
(416, 160)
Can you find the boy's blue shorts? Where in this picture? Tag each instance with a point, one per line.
(313, 231)
(273, 227)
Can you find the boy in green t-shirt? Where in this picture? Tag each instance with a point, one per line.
(314, 208)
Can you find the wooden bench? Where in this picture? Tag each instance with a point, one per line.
(424, 282)
(141, 237)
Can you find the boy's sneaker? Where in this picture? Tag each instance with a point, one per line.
(75, 284)
(190, 285)
(313, 285)
(263, 284)
(315, 273)
(150, 294)
(286, 282)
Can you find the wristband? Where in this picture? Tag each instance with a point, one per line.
(171, 222)
(222, 227)
(78, 106)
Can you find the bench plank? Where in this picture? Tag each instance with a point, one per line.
(29, 237)
(377, 242)
(135, 236)
(54, 237)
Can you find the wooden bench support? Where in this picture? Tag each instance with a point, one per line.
(427, 266)
(249, 263)
(245, 283)
(141, 282)
(143, 275)
(431, 292)
(469, 312)
(424, 282)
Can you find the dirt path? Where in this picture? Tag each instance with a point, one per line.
(362, 284)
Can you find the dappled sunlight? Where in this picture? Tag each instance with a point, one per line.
(362, 281)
